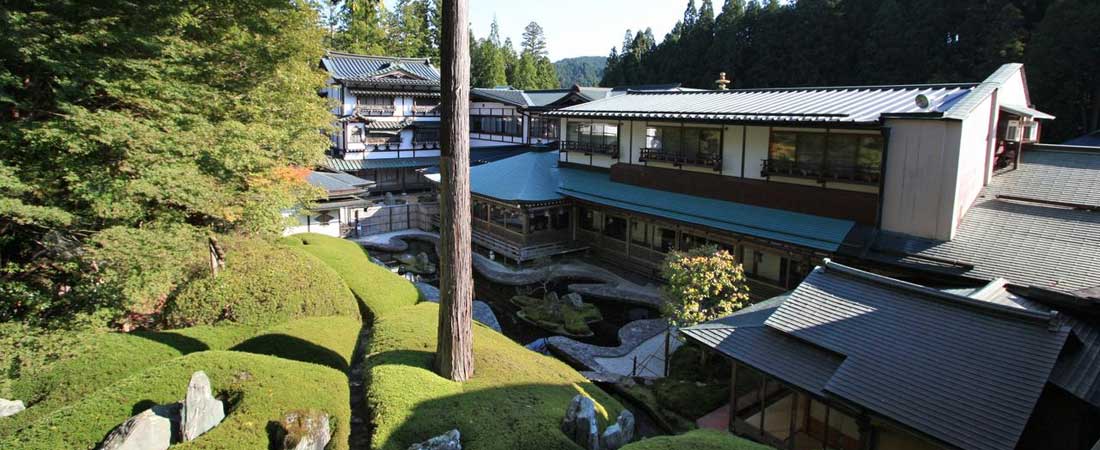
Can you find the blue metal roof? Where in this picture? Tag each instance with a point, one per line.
(527, 177)
(807, 230)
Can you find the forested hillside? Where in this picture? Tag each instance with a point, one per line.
(582, 70)
(844, 42)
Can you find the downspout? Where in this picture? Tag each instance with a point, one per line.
(882, 177)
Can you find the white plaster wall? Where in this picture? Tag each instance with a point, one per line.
(975, 148)
(1013, 91)
(731, 150)
(920, 177)
(756, 150)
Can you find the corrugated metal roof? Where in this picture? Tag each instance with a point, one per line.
(1028, 243)
(337, 182)
(859, 104)
(350, 66)
(1024, 110)
(963, 371)
(527, 177)
(800, 229)
(513, 97)
(382, 93)
(986, 88)
(352, 165)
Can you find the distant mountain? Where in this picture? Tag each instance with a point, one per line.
(582, 70)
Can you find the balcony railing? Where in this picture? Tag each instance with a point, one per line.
(611, 150)
(375, 110)
(682, 159)
(828, 171)
(425, 110)
(425, 145)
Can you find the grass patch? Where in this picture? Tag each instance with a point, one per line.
(379, 290)
(262, 387)
(262, 284)
(328, 341)
(515, 401)
(697, 440)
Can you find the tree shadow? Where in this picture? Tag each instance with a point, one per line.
(293, 348)
(185, 344)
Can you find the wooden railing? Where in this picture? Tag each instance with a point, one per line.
(681, 159)
(375, 110)
(611, 150)
(425, 145)
(821, 171)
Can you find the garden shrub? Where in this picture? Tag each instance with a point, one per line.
(379, 290)
(697, 440)
(262, 284)
(260, 389)
(515, 400)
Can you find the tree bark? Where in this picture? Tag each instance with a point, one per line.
(454, 352)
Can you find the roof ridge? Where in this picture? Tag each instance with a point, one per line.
(944, 297)
(427, 61)
(881, 87)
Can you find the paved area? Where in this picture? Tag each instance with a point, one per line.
(619, 359)
(650, 357)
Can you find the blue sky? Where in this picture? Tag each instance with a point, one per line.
(576, 27)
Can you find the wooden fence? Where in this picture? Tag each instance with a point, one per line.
(386, 219)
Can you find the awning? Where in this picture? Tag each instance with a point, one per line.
(822, 233)
(381, 93)
(1021, 110)
(387, 163)
(386, 125)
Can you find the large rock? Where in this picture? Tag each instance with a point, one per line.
(579, 423)
(450, 440)
(612, 437)
(11, 407)
(201, 411)
(627, 424)
(305, 430)
(574, 299)
(153, 429)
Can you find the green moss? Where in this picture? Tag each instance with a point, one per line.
(260, 388)
(107, 358)
(379, 290)
(691, 399)
(262, 284)
(668, 418)
(560, 318)
(515, 400)
(697, 440)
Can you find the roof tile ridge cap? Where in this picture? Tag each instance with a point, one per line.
(953, 299)
(329, 52)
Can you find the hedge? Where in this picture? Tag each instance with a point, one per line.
(515, 400)
(262, 284)
(697, 440)
(259, 388)
(379, 290)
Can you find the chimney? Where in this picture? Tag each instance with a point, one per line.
(722, 82)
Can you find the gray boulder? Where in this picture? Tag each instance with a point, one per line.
(579, 423)
(626, 425)
(11, 407)
(306, 430)
(153, 429)
(450, 440)
(201, 411)
(574, 299)
(612, 437)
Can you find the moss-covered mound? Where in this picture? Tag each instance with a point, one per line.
(110, 357)
(697, 440)
(378, 289)
(259, 388)
(515, 400)
(558, 316)
(262, 284)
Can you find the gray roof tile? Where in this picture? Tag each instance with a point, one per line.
(350, 66)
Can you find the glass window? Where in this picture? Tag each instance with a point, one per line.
(497, 215)
(810, 151)
(666, 139)
(783, 146)
(842, 155)
(590, 220)
(615, 228)
(539, 221)
(870, 153)
(689, 241)
(426, 135)
(513, 220)
(639, 233)
(664, 240)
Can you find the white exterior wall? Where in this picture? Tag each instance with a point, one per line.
(976, 148)
(497, 109)
(920, 178)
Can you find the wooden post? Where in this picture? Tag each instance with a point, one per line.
(454, 352)
(733, 397)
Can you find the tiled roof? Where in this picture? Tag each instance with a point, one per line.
(337, 182)
(352, 165)
(861, 104)
(513, 97)
(350, 66)
(806, 230)
(963, 371)
(526, 177)
(1029, 243)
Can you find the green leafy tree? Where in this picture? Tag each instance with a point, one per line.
(117, 114)
(703, 284)
(409, 27)
(487, 60)
(364, 28)
(1064, 68)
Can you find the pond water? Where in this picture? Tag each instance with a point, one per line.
(498, 296)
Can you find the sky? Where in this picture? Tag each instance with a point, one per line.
(575, 27)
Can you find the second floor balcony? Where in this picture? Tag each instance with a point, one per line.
(823, 171)
(425, 110)
(700, 159)
(611, 150)
(375, 110)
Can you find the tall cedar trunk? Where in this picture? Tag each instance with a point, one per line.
(454, 353)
